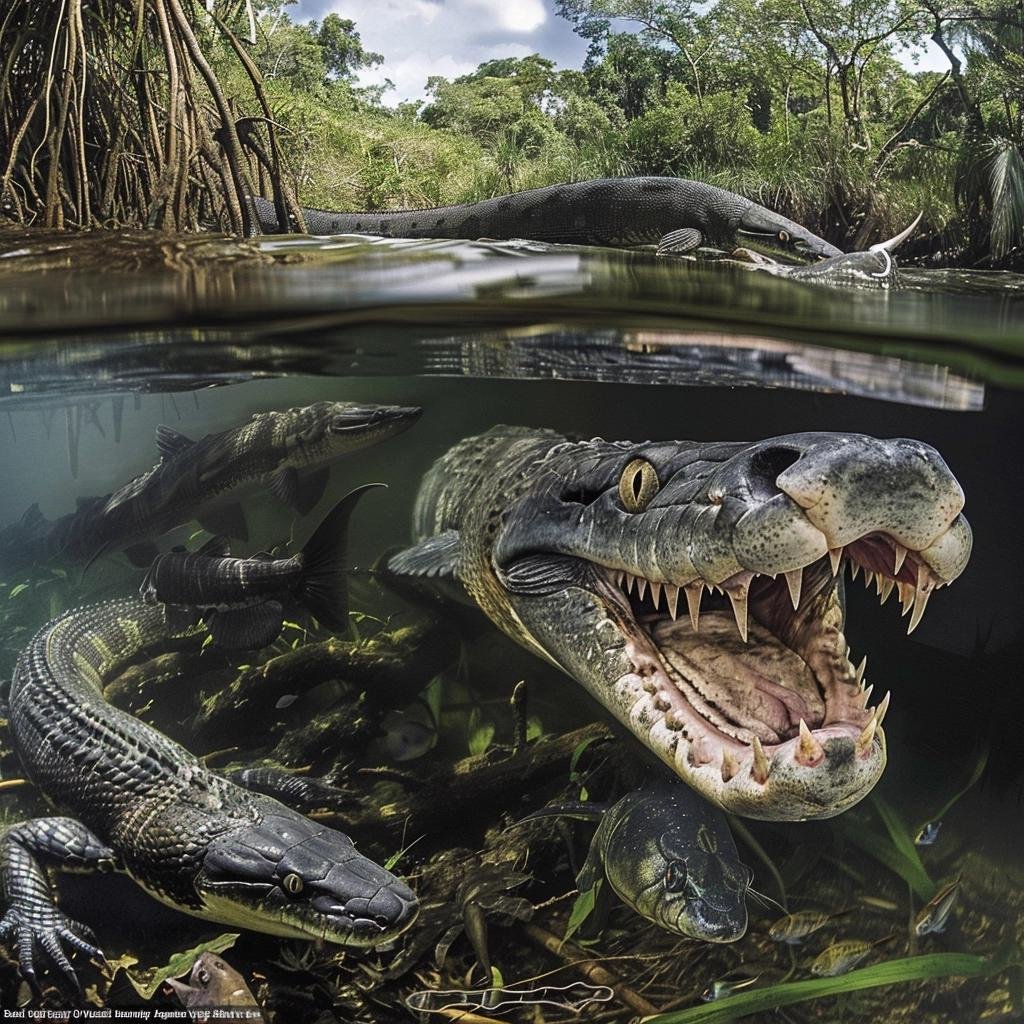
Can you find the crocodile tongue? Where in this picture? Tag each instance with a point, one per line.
(758, 688)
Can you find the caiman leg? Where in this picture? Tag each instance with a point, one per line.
(32, 918)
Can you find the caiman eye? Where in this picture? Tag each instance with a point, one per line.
(675, 876)
(292, 883)
(783, 236)
(638, 485)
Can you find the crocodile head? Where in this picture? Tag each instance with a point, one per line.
(768, 232)
(696, 591)
(286, 875)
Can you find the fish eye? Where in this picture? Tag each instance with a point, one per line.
(638, 485)
(675, 875)
(292, 883)
(783, 236)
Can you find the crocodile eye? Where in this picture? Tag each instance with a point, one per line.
(675, 876)
(783, 236)
(292, 883)
(638, 485)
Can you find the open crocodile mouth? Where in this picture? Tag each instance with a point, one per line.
(748, 687)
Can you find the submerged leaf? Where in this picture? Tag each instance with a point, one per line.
(147, 980)
(914, 968)
(581, 910)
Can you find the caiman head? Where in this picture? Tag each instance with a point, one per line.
(696, 591)
(284, 874)
(317, 433)
(774, 235)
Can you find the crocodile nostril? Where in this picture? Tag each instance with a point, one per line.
(767, 465)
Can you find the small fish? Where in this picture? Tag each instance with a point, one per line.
(794, 928)
(728, 985)
(214, 984)
(935, 913)
(843, 956)
(241, 598)
(928, 834)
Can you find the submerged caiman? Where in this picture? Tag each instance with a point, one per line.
(289, 453)
(597, 555)
(143, 805)
(676, 214)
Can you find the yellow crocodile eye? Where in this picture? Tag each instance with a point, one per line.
(293, 883)
(638, 485)
(783, 236)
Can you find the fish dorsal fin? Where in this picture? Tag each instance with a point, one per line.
(436, 557)
(299, 493)
(216, 547)
(171, 442)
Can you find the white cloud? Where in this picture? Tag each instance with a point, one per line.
(419, 38)
(514, 15)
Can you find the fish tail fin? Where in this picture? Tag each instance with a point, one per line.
(323, 585)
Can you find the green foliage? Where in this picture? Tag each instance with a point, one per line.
(914, 968)
(582, 908)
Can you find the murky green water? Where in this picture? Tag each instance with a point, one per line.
(103, 339)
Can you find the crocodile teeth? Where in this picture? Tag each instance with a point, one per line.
(693, 596)
(883, 707)
(760, 768)
(672, 599)
(641, 586)
(854, 567)
(922, 592)
(809, 751)
(862, 746)
(835, 556)
(730, 766)
(860, 669)
(629, 583)
(920, 601)
(656, 593)
(794, 580)
(901, 554)
(887, 589)
(906, 592)
(738, 599)
(866, 695)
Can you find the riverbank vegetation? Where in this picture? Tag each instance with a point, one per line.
(812, 107)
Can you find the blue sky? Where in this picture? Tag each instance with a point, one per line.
(449, 37)
(419, 38)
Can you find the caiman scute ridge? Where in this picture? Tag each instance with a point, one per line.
(143, 805)
(695, 589)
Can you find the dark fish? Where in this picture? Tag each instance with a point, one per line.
(214, 984)
(288, 453)
(670, 856)
(241, 599)
(935, 913)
